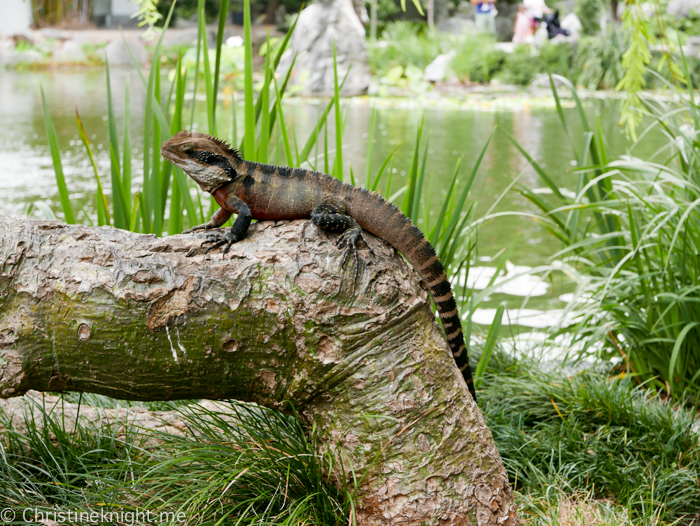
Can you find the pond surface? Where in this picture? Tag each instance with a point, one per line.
(26, 171)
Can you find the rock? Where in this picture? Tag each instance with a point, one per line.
(6, 48)
(27, 35)
(572, 24)
(71, 51)
(506, 47)
(649, 9)
(457, 25)
(184, 23)
(57, 34)
(682, 8)
(281, 15)
(437, 69)
(465, 10)
(319, 25)
(117, 54)
(188, 37)
(10, 56)
(692, 46)
(505, 20)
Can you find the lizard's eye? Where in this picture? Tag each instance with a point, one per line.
(187, 147)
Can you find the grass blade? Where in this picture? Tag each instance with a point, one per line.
(248, 150)
(223, 12)
(208, 84)
(538, 169)
(338, 163)
(103, 217)
(283, 126)
(56, 158)
(490, 344)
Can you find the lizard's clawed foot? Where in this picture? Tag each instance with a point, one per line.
(219, 240)
(348, 239)
(205, 226)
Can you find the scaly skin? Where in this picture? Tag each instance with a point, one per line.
(261, 191)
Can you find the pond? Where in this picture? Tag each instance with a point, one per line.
(455, 130)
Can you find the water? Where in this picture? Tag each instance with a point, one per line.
(26, 171)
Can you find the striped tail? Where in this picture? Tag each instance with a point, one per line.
(383, 219)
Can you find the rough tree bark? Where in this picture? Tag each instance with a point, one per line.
(128, 315)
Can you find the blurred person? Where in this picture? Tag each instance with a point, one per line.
(485, 17)
(536, 9)
(522, 31)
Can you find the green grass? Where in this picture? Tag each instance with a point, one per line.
(592, 433)
(630, 237)
(577, 446)
(259, 467)
(252, 466)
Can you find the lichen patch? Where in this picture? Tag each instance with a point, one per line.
(269, 380)
(173, 305)
(11, 374)
(328, 351)
(84, 332)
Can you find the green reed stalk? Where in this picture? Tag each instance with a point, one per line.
(223, 12)
(57, 166)
(103, 217)
(338, 172)
(248, 150)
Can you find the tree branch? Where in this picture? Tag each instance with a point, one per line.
(130, 316)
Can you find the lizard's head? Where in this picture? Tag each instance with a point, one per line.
(206, 159)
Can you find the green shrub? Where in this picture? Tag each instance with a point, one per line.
(477, 59)
(405, 43)
(632, 239)
(522, 65)
(588, 12)
(598, 63)
(558, 57)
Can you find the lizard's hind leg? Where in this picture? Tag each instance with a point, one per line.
(331, 216)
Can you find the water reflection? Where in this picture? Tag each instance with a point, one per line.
(26, 172)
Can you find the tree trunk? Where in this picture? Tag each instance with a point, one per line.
(130, 316)
(271, 11)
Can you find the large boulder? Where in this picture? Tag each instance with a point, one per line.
(187, 37)
(458, 25)
(461, 20)
(505, 20)
(56, 34)
(117, 53)
(11, 56)
(438, 68)
(319, 25)
(71, 51)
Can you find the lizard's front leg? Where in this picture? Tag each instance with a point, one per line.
(218, 219)
(237, 232)
(330, 215)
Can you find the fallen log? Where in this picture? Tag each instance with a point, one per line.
(128, 315)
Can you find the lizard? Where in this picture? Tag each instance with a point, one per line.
(265, 192)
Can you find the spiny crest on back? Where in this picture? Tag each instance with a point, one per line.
(226, 146)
